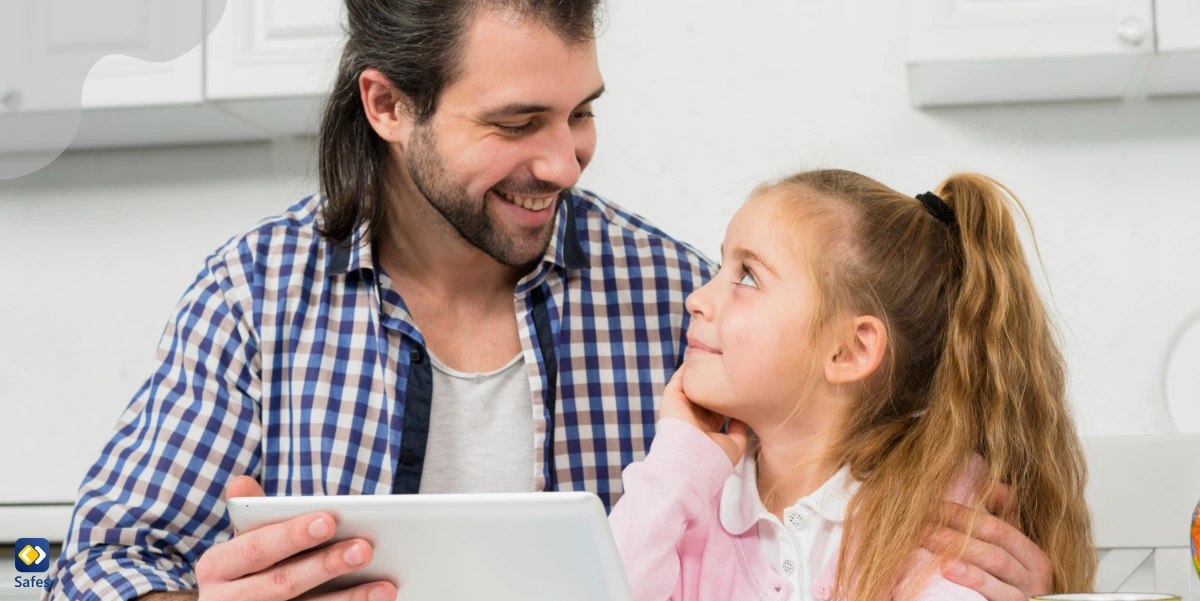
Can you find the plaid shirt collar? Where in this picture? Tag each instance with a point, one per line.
(564, 250)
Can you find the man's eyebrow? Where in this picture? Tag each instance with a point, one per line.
(595, 95)
(516, 109)
(744, 254)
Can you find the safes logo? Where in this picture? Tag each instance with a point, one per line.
(33, 555)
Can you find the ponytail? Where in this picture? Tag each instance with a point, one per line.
(1001, 349)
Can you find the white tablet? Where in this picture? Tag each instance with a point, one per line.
(545, 546)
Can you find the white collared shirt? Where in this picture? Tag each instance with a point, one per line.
(809, 535)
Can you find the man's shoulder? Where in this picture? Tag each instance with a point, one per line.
(280, 255)
(287, 237)
(625, 226)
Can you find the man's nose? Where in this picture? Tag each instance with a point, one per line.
(557, 162)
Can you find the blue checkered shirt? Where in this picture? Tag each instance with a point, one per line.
(296, 362)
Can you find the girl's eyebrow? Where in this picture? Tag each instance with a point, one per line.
(745, 254)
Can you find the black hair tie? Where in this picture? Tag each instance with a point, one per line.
(938, 208)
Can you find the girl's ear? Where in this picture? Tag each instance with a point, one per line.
(386, 107)
(860, 356)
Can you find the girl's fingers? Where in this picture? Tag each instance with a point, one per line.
(738, 433)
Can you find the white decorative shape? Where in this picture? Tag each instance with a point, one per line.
(1181, 385)
(1117, 566)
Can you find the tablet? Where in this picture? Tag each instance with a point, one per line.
(543, 546)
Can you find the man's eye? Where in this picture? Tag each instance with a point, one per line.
(748, 280)
(516, 129)
(580, 116)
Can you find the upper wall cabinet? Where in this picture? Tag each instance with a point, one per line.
(1177, 68)
(62, 45)
(272, 62)
(993, 51)
(82, 61)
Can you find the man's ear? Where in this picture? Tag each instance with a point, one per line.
(386, 107)
(857, 358)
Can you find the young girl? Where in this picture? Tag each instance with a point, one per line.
(887, 353)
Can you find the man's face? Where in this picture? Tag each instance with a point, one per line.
(509, 137)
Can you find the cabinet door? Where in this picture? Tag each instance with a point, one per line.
(61, 43)
(968, 51)
(274, 49)
(1178, 30)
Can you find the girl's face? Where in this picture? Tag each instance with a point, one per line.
(748, 351)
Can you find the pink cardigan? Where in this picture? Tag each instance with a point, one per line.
(671, 541)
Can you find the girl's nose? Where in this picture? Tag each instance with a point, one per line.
(699, 302)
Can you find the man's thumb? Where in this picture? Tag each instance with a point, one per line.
(244, 486)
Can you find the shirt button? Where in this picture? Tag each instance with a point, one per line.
(408, 458)
(788, 567)
(795, 520)
(417, 354)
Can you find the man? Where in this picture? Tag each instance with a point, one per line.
(365, 343)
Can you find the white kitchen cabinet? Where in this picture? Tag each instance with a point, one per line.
(273, 62)
(64, 40)
(993, 51)
(1177, 68)
(112, 65)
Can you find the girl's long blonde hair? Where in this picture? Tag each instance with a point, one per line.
(973, 368)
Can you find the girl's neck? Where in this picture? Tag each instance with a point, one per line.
(795, 454)
(790, 469)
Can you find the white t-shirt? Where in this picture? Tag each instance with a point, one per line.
(480, 431)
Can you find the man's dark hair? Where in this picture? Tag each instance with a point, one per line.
(417, 45)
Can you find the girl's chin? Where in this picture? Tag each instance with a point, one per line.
(708, 402)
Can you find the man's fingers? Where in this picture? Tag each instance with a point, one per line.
(298, 575)
(997, 532)
(985, 584)
(372, 591)
(1000, 500)
(981, 555)
(260, 549)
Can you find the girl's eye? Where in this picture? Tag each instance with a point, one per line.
(748, 280)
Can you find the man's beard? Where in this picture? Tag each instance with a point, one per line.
(470, 217)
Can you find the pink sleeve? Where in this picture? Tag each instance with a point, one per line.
(679, 480)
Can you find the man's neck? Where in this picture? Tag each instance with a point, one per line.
(419, 247)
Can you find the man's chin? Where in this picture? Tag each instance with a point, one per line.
(528, 247)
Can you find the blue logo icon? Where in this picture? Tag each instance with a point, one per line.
(33, 555)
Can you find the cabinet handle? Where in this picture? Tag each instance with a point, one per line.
(1132, 31)
(10, 98)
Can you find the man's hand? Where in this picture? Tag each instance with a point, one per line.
(676, 404)
(998, 560)
(271, 563)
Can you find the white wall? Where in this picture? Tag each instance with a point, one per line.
(702, 104)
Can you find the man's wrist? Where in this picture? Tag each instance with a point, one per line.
(169, 596)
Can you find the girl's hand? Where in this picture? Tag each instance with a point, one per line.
(675, 404)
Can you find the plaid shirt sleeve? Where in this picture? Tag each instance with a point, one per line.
(152, 503)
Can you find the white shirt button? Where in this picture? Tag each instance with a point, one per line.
(795, 520)
(789, 566)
